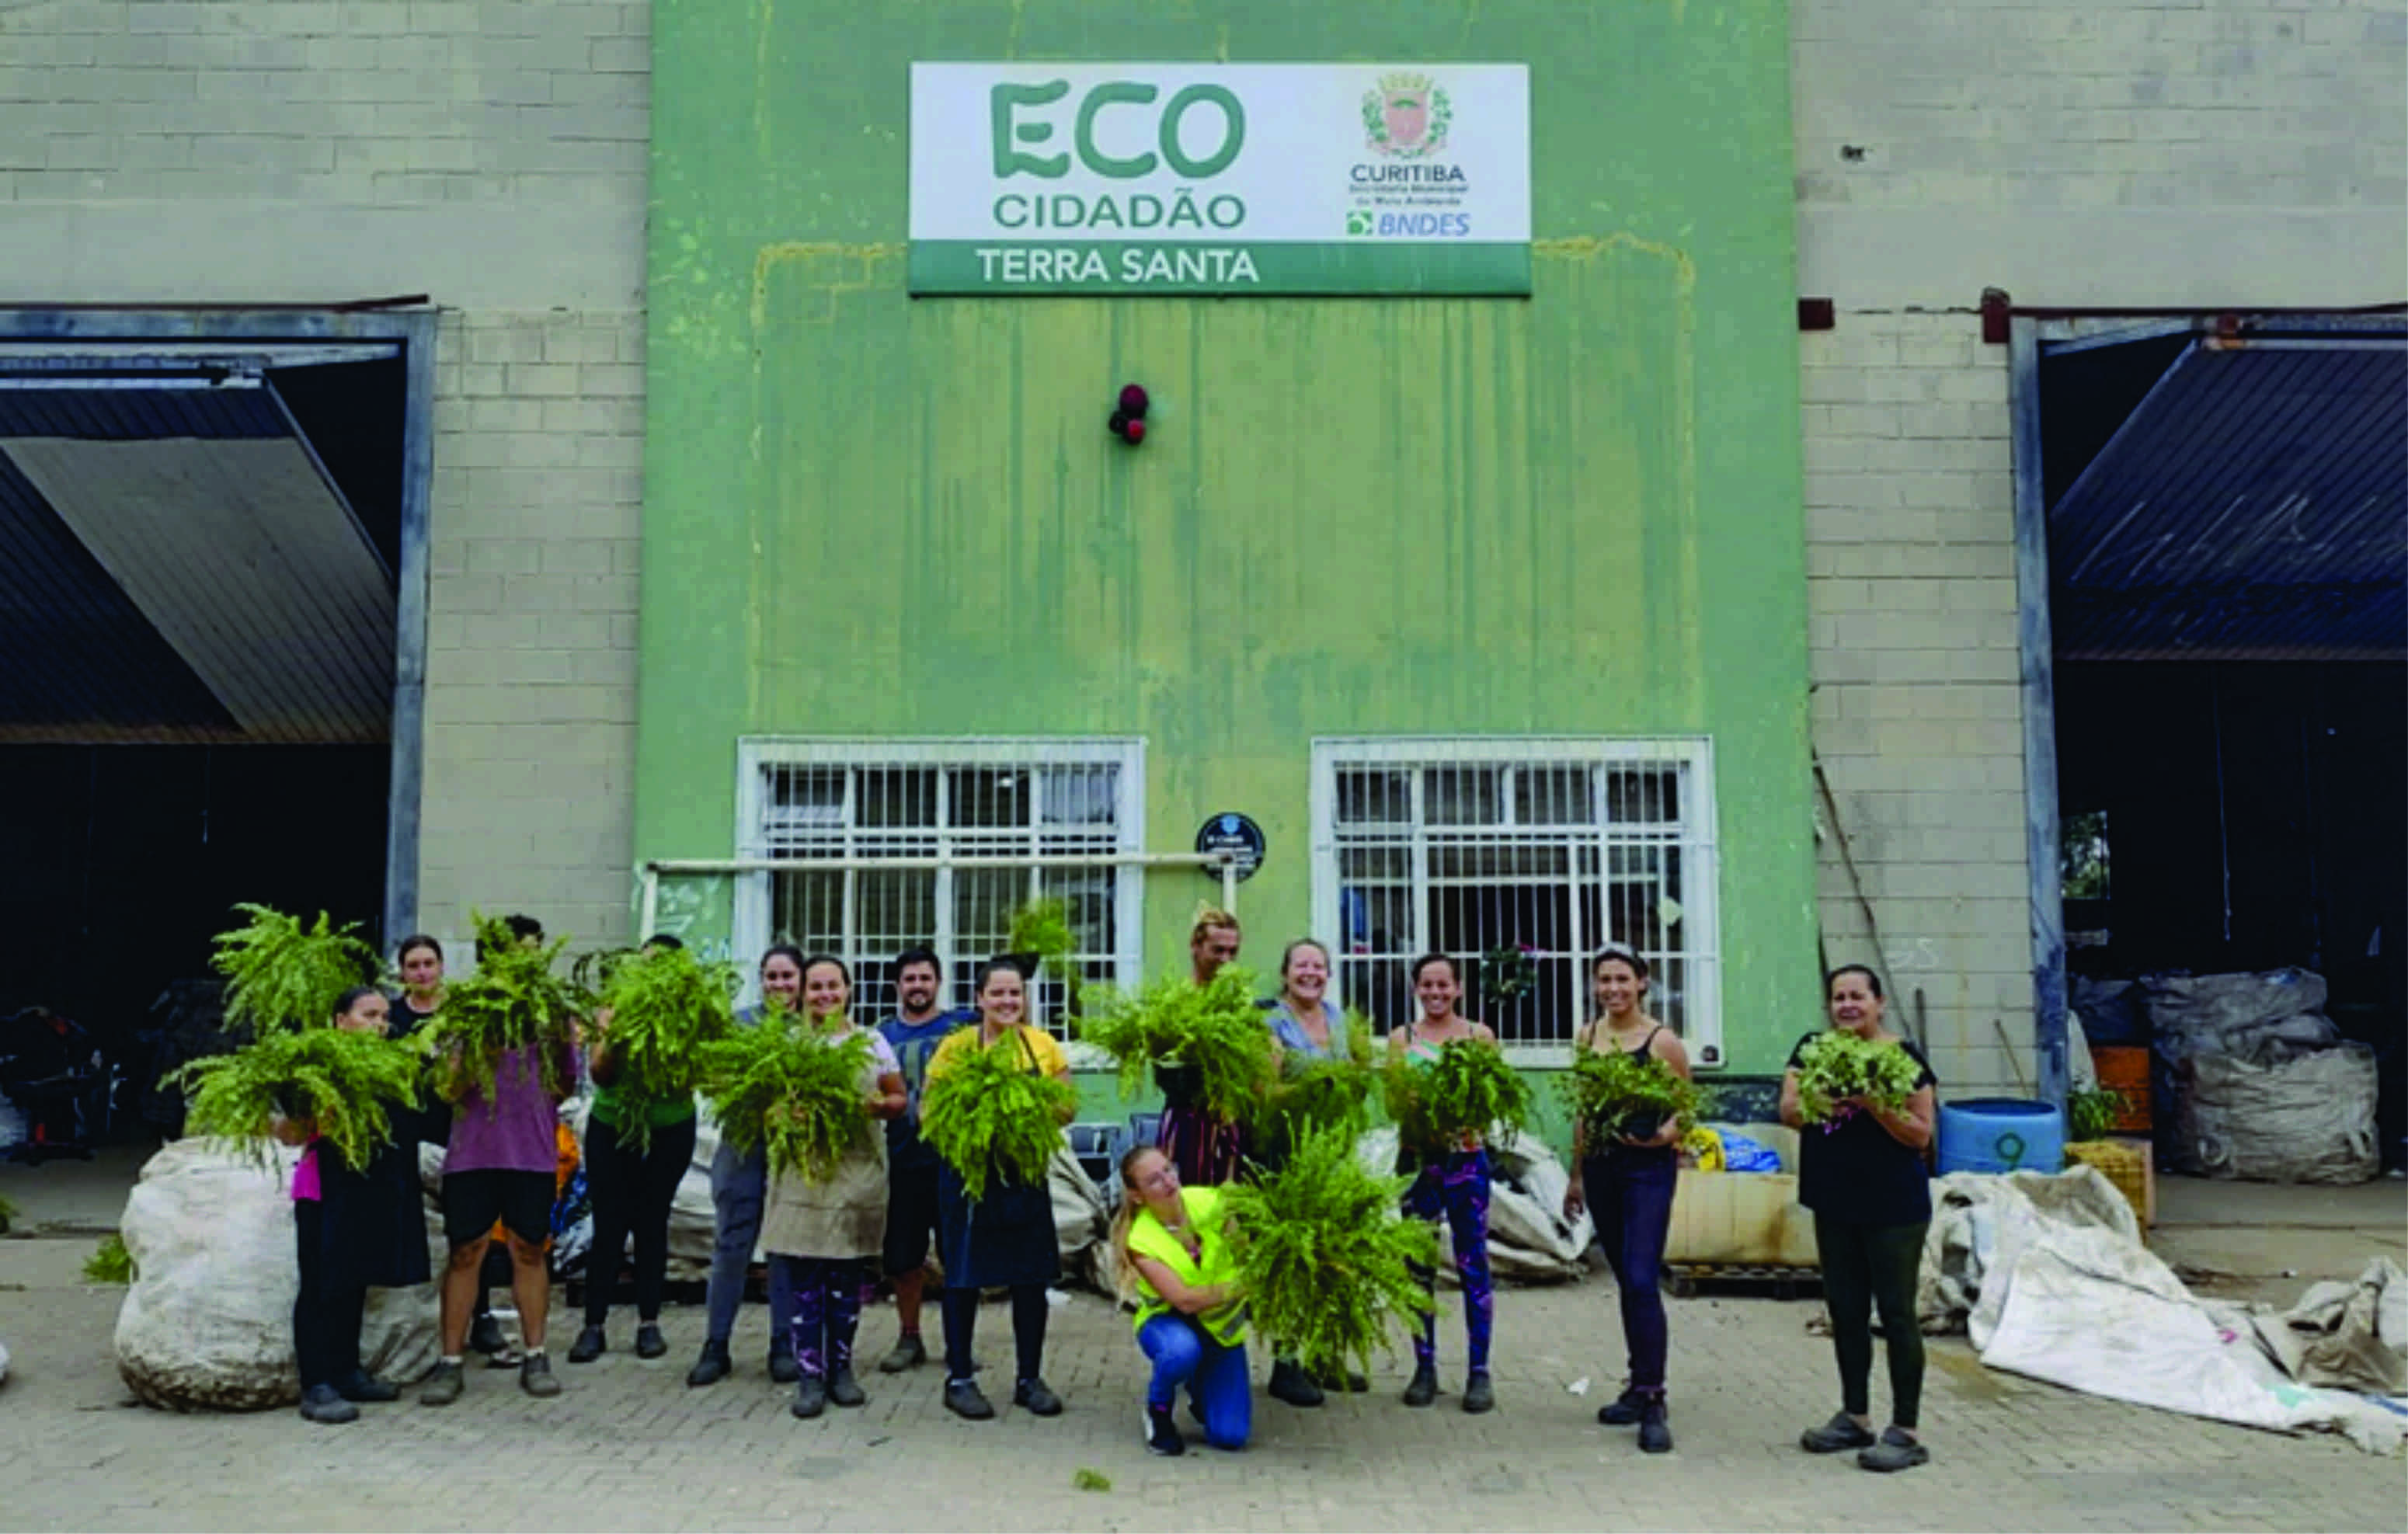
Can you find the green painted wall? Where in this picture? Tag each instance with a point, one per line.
(1574, 514)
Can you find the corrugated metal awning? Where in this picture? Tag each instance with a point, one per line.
(2253, 507)
(199, 578)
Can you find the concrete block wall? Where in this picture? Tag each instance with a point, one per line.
(531, 623)
(492, 155)
(1917, 712)
(2158, 153)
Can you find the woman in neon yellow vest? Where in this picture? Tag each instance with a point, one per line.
(1191, 1320)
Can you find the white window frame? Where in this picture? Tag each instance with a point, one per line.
(758, 755)
(1697, 835)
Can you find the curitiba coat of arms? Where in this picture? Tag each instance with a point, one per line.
(1407, 117)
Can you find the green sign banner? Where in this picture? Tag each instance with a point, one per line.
(1229, 178)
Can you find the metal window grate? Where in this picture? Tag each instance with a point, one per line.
(861, 803)
(1519, 859)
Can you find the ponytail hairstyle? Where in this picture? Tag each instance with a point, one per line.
(1125, 1274)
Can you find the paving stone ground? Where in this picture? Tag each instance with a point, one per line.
(629, 1447)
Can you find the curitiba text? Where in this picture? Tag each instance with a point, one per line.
(1136, 265)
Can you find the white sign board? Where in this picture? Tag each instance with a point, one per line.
(1203, 177)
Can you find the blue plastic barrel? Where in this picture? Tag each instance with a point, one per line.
(2000, 1135)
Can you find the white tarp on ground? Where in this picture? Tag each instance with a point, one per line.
(207, 1321)
(2059, 1293)
(1529, 1241)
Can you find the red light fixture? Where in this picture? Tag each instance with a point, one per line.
(1129, 422)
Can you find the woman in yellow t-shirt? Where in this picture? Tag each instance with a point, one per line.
(1005, 1239)
(1173, 1243)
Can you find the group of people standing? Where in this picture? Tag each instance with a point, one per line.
(891, 1200)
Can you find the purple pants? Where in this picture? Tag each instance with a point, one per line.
(1456, 1185)
(828, 1309)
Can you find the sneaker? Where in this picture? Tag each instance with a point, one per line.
(1655, 1434)
(535, 1377)
(843, 1389)
(1896, 1451)
(650, 1344)
(359, 1387)
(1035, 1398)
(1840, 1432)
(1478, 1394)
(1423, 1389)
(1162, 1433)
(323, 1403)
(711, 1368)
(1624, 1411)
(781, 1364)
(590, 1344)
(485, 1335)
(964, 1398)
(1290, 1383)
(811, 1397)
(909, 1352)
(443, 1386)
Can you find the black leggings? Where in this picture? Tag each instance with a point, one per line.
(1866, 1267)
(1029, 1313)
(326, 1312)
(632, 1191)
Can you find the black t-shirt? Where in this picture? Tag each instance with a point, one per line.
(1856, 1171)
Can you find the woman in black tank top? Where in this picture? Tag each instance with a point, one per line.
(1629, 1183)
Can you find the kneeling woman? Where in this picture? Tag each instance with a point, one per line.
(355, 1228)
(820, 1235)
(1174, 1248)
(1005, 1239)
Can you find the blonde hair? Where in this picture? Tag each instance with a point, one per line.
(1208, 918)
(1125, 1274)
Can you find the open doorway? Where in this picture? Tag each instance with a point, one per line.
(211, 636)
(2226, 542)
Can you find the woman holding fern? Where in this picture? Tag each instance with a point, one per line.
(821, 1230)
(1864, 1102)
(1450, 1172)
(996, 1098)
(1627, 1172)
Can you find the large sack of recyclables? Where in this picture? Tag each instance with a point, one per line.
(207, 1322)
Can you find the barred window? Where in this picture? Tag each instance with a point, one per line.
(935, 843)
(1520, 858)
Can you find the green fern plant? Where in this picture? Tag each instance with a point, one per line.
(1836, 1064)
(282, 974)
(110, 1263)
(1042, 927)
(665, 1007)
(516, 999)
(1324, 1259)
(1215, 1029)
(791, 1087)
(344, 1081)
(1613, 1095)
(1468, 1091)
(988, 1117)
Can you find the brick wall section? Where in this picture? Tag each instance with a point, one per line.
(2170, 152)
(380, 103)
(531, 627)
(1910, 583)
(490, 153)
(2174, 152)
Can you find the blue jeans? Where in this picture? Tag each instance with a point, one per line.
(738, 1185)
(1214, 1374)
(1630, 1193)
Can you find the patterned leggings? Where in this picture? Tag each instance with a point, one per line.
(828, 1294)
(1457, 1185)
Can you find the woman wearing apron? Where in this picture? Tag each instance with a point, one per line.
(820, 1235)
